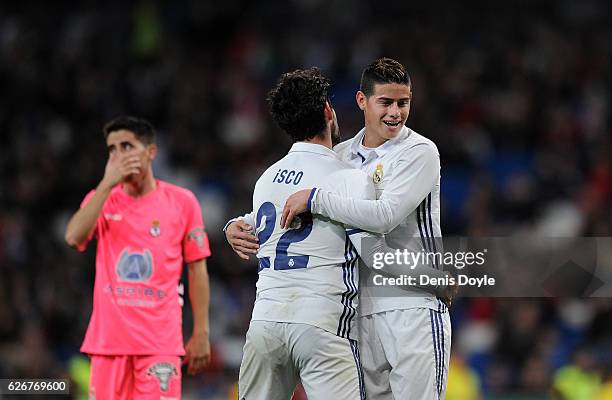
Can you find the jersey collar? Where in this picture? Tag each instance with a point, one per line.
(126, 196)
(380, 150)
(312, 148)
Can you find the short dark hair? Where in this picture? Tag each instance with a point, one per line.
(297, 103)
(142, 128)
(384, 70)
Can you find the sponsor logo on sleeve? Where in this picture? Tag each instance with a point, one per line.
(197, 234)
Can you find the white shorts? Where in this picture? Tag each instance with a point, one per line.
(277, 355)
(405, 354)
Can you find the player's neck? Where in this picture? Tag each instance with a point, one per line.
(140, 188)
(372, 141)
(323, 141)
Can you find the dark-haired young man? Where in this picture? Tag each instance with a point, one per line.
(302, 326)
(404, 336)
(145, 230)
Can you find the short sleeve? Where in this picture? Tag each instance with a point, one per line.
(195, 242)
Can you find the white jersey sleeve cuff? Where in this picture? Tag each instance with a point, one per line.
(312, 200)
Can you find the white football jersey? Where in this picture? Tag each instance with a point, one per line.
(309, 274)
(406, 174)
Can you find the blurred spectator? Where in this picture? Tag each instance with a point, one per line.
(579, 380)
(463, 381)
(605, 393)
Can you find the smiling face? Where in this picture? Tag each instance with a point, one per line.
(385, 111)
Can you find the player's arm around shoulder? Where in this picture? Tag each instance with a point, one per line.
(416, 170)
(415, 173)
(358, 185)
(421, 154)
(345, 182)
(355, 183)
(367, 191)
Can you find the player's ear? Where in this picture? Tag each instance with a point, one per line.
(361, 99)
(328, 112)
(152, 149)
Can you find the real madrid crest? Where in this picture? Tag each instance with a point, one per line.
(378, 174)
(155, 229)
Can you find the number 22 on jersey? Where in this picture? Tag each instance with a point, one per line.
(282, 261)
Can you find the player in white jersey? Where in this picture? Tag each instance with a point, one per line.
(405, 340)
(302, 325)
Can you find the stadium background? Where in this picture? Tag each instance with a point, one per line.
(516, 95)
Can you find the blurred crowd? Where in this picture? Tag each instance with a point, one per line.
(517, 96)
